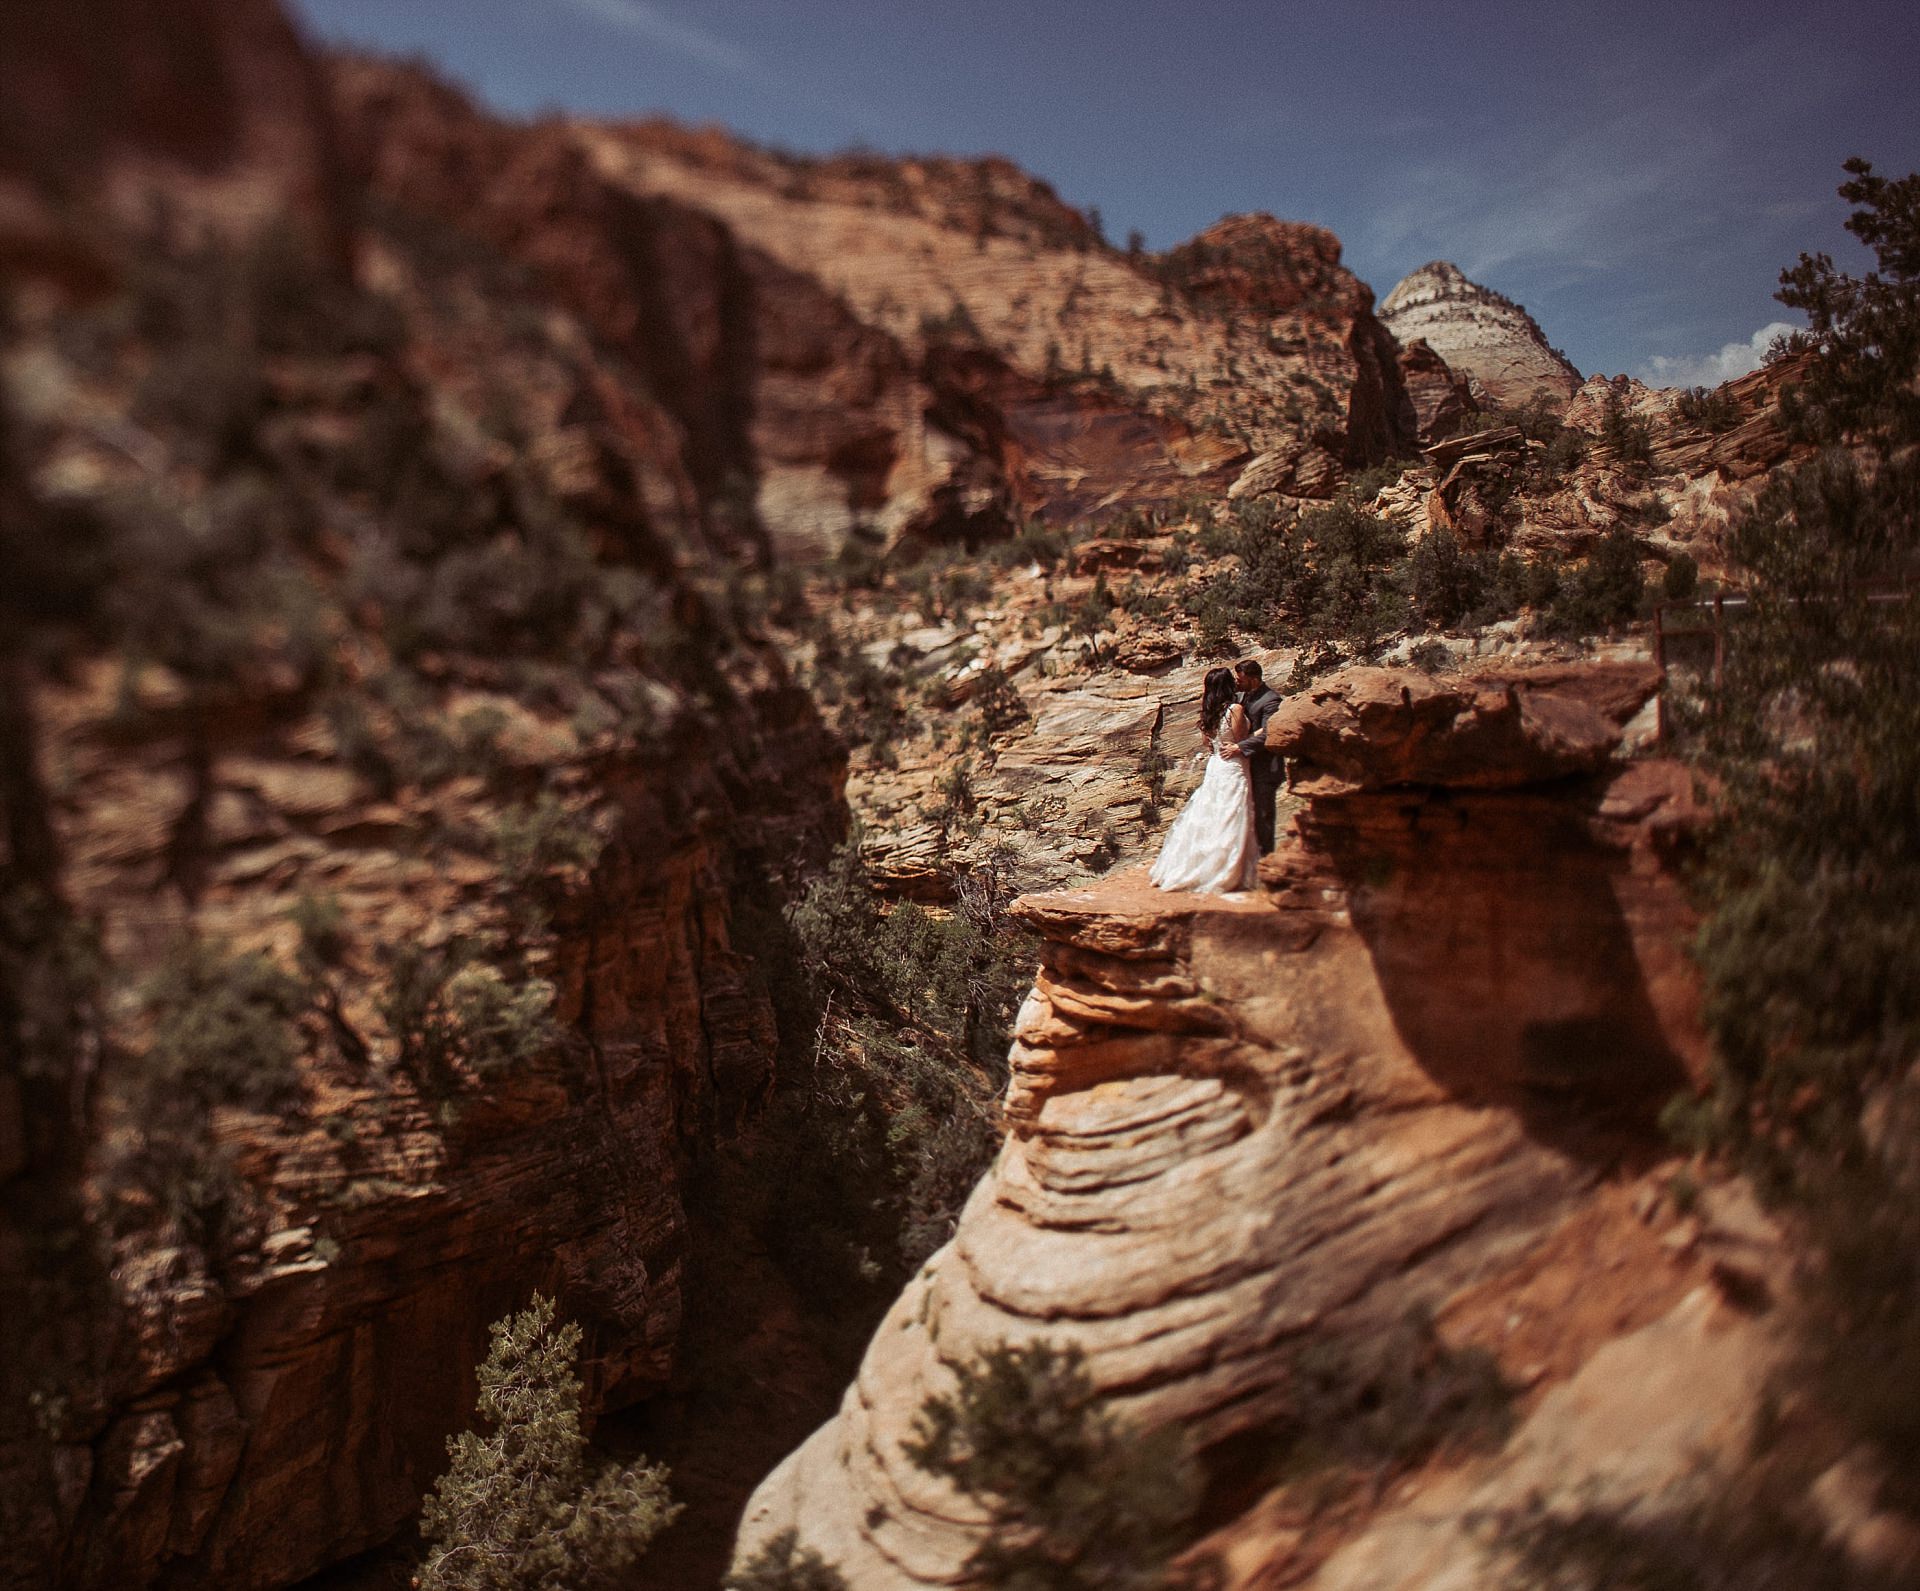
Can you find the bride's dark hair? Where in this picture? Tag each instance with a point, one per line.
(1216, 696)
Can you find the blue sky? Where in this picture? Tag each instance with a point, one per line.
(1635, 174)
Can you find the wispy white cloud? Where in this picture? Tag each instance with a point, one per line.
(1640, 170)
(1709, 370)
(657, 26)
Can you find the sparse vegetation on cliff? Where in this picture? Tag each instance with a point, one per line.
(895, 1025)
(783, 1564)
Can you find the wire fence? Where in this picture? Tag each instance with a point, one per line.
(1698, 652)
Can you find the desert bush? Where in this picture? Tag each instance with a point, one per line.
(519, 1507)
(1712, 409)
(1565, 449)
(1681, 578)
(999, 702)
(1446, 582)
(889, 1118)
(1392, 1398)
(224, 1028)
(782, 1564)
(444, 1005)
(1605, 589)
(1375, 478)
(1724, 1545)
(1075, 1496)
(1178, 558)
(1091, 612)
(1152, 771)
(532, 840)
(1626, 435)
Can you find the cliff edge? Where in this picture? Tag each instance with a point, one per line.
(1416, 1070)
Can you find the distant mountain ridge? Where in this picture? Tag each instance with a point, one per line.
(1480, 332)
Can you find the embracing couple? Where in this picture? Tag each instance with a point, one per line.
(1216, 843)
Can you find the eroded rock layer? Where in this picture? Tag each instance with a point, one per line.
(1386, 1078)
(1479, 332)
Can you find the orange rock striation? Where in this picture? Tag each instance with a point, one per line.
(1430, 1043)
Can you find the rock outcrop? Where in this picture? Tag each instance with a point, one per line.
(1441, 396)
(1375, 728)
(1479, 332)
(1421, 1056)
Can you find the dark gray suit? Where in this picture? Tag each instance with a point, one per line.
(1266, 768)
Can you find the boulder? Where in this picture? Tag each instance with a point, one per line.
(1301, 469)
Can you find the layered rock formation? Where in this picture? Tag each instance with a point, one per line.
(1086, 377)
(1415, 1064)
(1479, 332)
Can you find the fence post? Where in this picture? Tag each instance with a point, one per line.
(1719, 646)
(1660, 662)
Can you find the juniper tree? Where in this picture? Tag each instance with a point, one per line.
(1077, 1498)
(1812, 944)
(518, 1510)
(782, 1564)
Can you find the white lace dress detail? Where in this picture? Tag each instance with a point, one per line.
(1212, 848)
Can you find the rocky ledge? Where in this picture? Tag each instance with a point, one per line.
(1415, 1068)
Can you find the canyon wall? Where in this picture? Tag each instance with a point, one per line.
(349, 529)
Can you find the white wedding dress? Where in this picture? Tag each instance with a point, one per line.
(1211, 847)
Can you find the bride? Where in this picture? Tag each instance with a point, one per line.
(1211, 846)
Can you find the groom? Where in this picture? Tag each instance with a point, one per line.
(1265, 768)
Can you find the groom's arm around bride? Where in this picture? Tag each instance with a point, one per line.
(1264, 768)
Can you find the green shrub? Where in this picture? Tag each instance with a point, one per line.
(782, 1564)
(1712, 409)
(1375, 478)
(1075, 1496)
(224, 1028)
(1626, 434)
(1811, 945)
(444, 1006)
(999, 702)
(533, 839)
(518, 1508)
(1446, 581)
(891, 1120)
(1565, 449)
(1390, 1399)
(1681, 578)
(1726, 1544)
(1605, 589)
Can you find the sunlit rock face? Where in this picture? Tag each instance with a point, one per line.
(1479, 332)
(1078, 376)
(1400, 1072)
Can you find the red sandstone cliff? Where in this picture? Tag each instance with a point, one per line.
(1417, 1067)
(334, 473)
